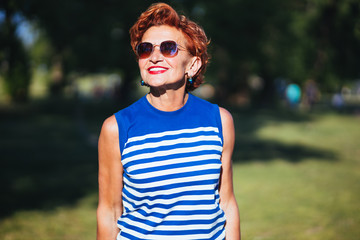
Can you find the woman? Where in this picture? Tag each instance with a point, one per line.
(165, 161)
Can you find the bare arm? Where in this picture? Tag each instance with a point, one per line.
(227, 197)
(110, 181)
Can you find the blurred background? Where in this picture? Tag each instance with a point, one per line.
(289, 72)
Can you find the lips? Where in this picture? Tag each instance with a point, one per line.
(157, 70)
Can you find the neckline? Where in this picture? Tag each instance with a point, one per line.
(154, 109)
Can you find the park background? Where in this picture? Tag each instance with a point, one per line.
(288, 71)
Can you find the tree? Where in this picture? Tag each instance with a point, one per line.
(88, 36)
(15, 67)
(295, 40)
(334, 27)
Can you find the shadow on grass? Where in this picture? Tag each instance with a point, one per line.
(49, 155)
(48, 158)
(251, 148)
(260, 150)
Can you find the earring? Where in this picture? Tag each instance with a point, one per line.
(190, 80)
(142, 83)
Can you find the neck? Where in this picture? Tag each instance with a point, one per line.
(168, 101)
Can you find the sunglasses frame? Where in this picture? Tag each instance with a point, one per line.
(161, 46)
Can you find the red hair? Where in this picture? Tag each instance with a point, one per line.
(162, 14)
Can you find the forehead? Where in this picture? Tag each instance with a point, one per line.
(157, 34)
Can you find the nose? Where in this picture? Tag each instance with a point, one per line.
(156, 55)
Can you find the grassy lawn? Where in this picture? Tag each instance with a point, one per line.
(297, 176)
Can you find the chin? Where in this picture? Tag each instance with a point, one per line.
(156, 84)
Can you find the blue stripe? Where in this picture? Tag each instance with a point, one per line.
(178, 213)
(172, 156)
(176, 185)
(165, 197)
(173, 176)
(169, 206)
(171, 147)
(124, 234)
(172, 232)
(175, 222)
(127, 209)
(172, 137)
(177, 165)
(217, 235)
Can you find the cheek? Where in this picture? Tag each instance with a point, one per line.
(141, 64)
(142, 68)
(178, 65)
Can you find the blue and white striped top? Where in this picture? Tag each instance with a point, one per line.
(172, 163)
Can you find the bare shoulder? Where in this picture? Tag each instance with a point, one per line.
(228, 131)
(110, 125)
(226, 118)
(109, 129)
(108, 145)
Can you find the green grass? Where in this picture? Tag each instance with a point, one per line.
(309, 187)
(297, 175)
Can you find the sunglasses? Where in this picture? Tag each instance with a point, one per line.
(167, 49)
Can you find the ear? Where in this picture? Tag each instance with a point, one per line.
(194, 66)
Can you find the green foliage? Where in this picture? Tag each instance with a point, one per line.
(333, 26)
(15, 67)
(41, 52)
(296, 40)
(17, 78)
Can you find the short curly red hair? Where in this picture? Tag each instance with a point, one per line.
(162, 14)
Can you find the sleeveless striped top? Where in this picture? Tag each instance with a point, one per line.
(171, 163)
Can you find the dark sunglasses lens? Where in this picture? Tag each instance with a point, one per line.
(144, 50)
(168, 48)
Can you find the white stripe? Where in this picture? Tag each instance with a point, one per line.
(170, 191)
(173, 228)
(171, 181)
(122, 238)
(171, 152)
(175, 208)
(171, 142)
(175, 171)
(170, 133)
(167, 162)
(176, 217)
(170, 201)
(221, 236)
(181, 237)
(127, 205)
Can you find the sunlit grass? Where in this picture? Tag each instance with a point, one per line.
(75, 222)
(309, 199)
(39, 83)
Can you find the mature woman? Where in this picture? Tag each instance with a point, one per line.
(165, 161)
